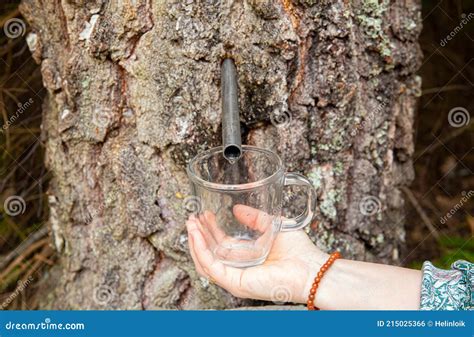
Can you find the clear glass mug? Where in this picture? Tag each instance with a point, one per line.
(239, 204)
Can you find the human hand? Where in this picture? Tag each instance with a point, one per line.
(285, 276)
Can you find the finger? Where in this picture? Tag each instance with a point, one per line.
(211, 230)
(209, 219)
(190, 226)
(252, 217)
(195, 224)
(217, 239)
(201, 223)
(225, 276)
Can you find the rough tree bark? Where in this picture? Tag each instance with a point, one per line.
(133, 93)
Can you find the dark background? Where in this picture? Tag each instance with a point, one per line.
(444, 157)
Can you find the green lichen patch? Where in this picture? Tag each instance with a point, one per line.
(370, 18)
(328, 205)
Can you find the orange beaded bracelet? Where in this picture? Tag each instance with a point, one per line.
(312, 293)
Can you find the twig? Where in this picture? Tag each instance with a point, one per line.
(44, 259)
(39, 261)
(437, 90)
(21, 257)
(25, 158)
(453, 134)
(421, 212)
(31, 239)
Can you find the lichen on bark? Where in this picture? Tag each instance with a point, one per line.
(134, 93)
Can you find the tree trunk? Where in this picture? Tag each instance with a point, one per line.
(134, 93)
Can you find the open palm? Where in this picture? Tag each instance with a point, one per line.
(285, 276)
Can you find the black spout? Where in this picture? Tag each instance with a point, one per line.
(231, 139)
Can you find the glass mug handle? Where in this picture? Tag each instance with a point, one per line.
(306, 217)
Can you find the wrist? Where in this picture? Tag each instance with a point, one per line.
(316, 259)
(320, 287)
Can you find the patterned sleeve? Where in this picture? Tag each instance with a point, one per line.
(448, 289)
